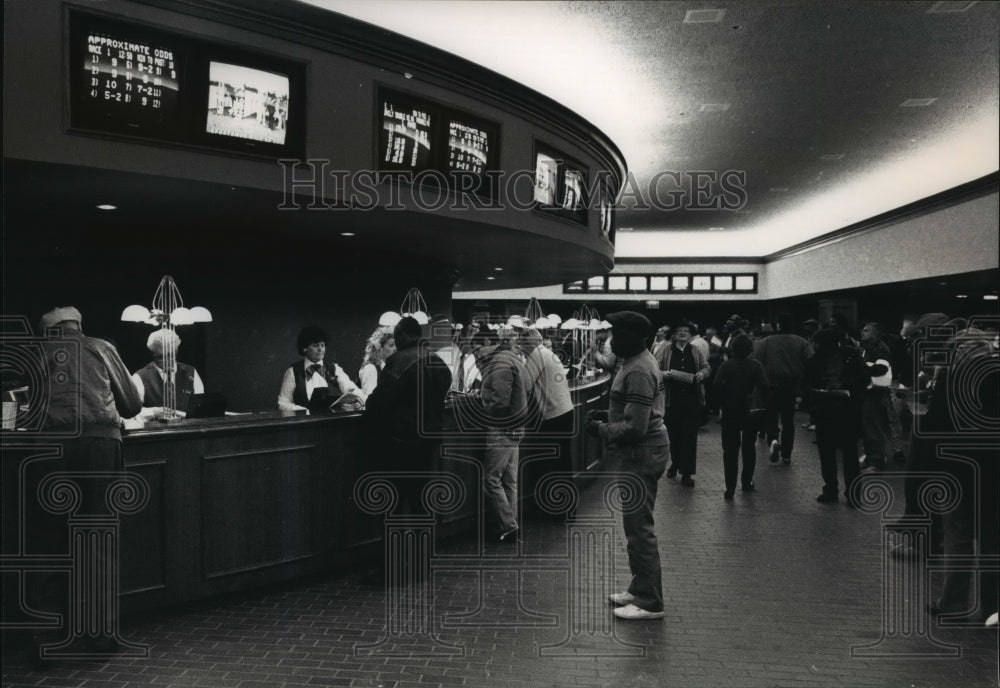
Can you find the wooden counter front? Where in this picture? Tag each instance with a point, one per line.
(241, 502)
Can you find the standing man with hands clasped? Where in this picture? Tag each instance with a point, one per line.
(634, 428)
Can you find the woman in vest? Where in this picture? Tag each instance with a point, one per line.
(312, 372)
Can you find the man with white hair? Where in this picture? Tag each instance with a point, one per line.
(150, 379)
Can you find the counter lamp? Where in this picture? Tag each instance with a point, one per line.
(167, 312)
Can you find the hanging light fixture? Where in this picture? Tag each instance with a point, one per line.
(167, 312)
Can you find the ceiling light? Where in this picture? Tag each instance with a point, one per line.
(989, 297)
(832, 156)
(713, 107)
(716, 229)
(347, 234)
(779, 189)
(626, 229)
(107, 206)
(917, 102)
(498, 269)
(490, 277)
(961, 296)
(703, 16)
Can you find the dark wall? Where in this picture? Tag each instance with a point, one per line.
(259, 297)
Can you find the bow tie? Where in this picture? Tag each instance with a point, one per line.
(316, 368)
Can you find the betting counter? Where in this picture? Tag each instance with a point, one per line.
(245, 501)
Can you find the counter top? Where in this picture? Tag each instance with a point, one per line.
(249, 422)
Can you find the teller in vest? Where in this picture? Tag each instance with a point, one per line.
(304, 376)
(149, 379)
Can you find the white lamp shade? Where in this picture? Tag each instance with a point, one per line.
(544, 323)
(570, 324)
(605, 325)
(135, 313)
(554, 317)
(389, 319)
(201, 314)
(181, 316)
(421, 317)
(594, 324)
(515, 321)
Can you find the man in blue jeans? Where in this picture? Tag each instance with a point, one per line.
(634, 428)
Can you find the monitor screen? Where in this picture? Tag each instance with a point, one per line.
(468, 147)
(125, 79)
(546, 179)
(246, 103)
(405, 138)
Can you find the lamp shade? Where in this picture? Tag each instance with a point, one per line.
(201, 314)
(570, 324)
(389, 319)
(135, 313)
(554, 317)
(421, 317)
(181, 316)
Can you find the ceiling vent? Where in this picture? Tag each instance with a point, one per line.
(703, 16)
(917, 102)
(949, 7)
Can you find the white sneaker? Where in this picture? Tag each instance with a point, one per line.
(621, 598)
(773, 455)
(633, 613)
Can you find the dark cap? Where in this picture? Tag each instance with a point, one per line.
(630, 321)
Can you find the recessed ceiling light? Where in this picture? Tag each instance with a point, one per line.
(961, 296)
(832, 156)
(917, 102)
(498, 269)
(347, 234)
(490, 277)
(626, 229)
(703, 16)
(950, 7)
(716, 229)
(713, 107)
(989, 297)
(107, 206)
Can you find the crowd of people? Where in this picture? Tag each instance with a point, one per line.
(926, 397)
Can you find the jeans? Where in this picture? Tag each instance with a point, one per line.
(782, 406)
(683, 420)
(837, 431)
(875, 431)
(647, 464)
(738, 433)
(500, 477)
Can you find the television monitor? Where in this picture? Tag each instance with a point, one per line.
(250, 103)
(546, 179)
(472, 144)
(572, 197)
(126, 79)
(246, 103)
(406, 136)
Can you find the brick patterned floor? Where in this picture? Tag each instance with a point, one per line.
(771, 589)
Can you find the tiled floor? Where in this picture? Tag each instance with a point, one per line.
(771, 589)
